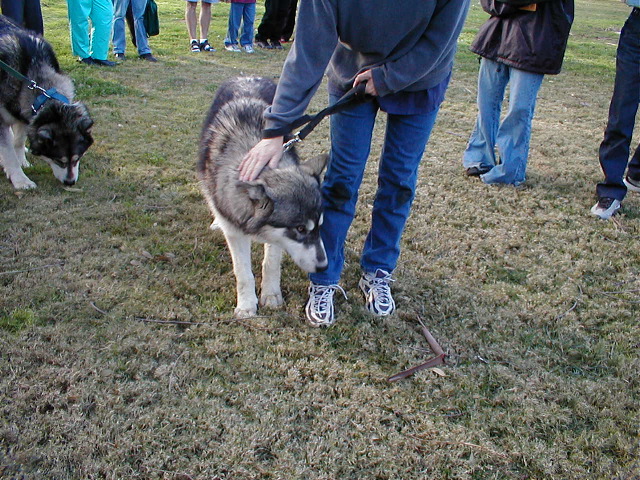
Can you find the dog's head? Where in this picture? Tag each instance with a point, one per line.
(61, 134)
(288, 211)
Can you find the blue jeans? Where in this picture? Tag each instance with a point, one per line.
(26, 13)
(119, 14)
(614, 149)
(512, 135)
(244, 13)
(404, 144)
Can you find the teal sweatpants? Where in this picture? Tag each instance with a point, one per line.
(96, 44)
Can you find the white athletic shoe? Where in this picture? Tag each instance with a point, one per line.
(606, 208)
(377, 292)
(319, 307)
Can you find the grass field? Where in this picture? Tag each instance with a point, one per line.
(119, 356)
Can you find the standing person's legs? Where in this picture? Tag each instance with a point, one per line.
(142, 42)
(633, 171)
(514, 133)
(102, 19)
(33, 15)
(614, 149)
(492, 81)
(78, 11)
(281, 10)
(205, 19)
(235, 17)
(119, 14)
(405, 141)
(248, 18)
(190, 18)
(351, 132)
(14, 9)
(264, 27)
(289, 25)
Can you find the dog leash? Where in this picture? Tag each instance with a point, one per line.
(355, 95)
(50, 94)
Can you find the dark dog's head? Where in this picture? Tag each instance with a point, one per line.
(61, 134)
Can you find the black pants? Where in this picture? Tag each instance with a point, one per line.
(26, 13)
(273, 20)
(289, 26)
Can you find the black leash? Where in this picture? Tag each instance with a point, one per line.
(51, 94)
(355, 95)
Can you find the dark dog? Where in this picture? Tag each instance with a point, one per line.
(282, 208)
(58, 129)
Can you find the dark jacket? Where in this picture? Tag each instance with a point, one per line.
(533, 41)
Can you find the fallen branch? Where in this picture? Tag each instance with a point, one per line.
(13, 272)
(227, 320)
(432, 362)
(435, 347)
(573, 307)
(168, 322)
(93, 305)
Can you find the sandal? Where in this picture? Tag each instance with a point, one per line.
(195, 47)
(205, 47)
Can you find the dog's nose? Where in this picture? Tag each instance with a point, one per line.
(321, 268)
(68, 182)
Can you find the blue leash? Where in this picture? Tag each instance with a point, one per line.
(51, 94)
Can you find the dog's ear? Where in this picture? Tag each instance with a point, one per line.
(44, 134)
(258, 194)
(255, 190)
(85, 125)
(262, 204)
(315, 165)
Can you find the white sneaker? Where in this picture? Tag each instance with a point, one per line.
(232, 48)
(319, 307)
(248, 49)
(377, 292)
(632, 185)
(606, 208)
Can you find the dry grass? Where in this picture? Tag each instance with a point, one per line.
(534, 300)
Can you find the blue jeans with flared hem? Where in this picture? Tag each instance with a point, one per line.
(512, 135)
(405, 140)
(614, 149)
(119, 15)
(244, 13)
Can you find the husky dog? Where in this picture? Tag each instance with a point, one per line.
(282, 208)
(57, 129)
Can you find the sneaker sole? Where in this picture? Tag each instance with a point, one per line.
(606, 214)
(630, 186)
(316, 323)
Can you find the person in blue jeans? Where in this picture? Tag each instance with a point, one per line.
(26, 13)
(615, 148)
(141, 40)
(240, 12)
(521, 43)
(403, 51)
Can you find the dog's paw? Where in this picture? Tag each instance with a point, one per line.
(271, 300)
(22, 182)
(240, 312)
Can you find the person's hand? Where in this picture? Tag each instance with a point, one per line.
(267, 152)
(366, 76)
